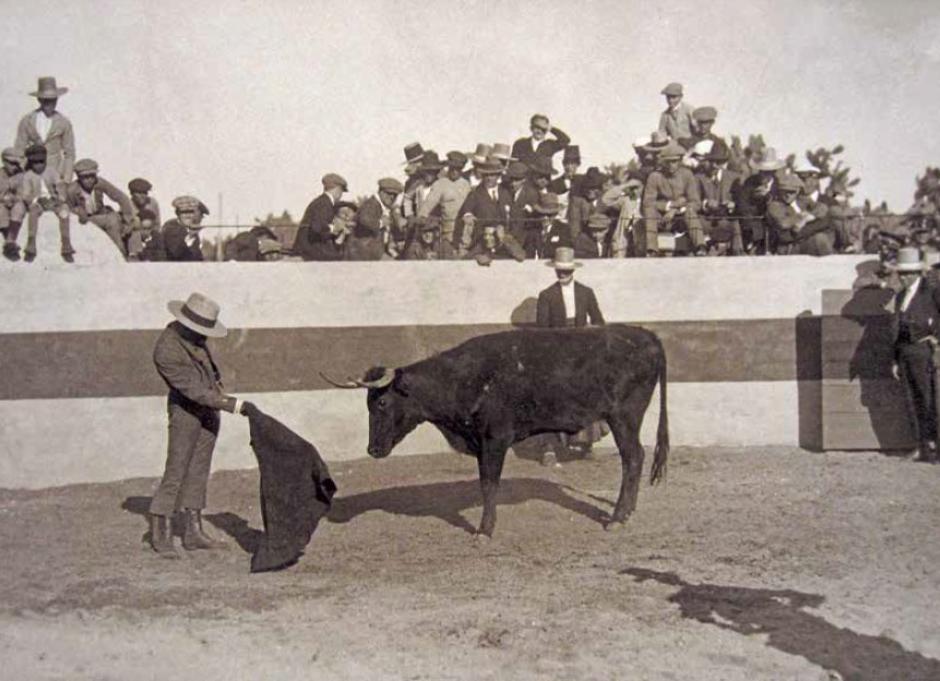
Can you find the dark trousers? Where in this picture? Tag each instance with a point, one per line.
(192, 434)
(915, 362)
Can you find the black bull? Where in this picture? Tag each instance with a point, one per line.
(494, 390)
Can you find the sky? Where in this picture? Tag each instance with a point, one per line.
(256, 101)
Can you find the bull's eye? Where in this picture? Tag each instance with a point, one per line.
(382, 403)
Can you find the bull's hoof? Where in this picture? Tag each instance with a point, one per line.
(616, 525)
(482, 538)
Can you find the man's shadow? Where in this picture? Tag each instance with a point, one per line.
(447, 500)
(780, 615)
(232, 524)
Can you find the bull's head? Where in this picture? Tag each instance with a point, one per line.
(392, 412)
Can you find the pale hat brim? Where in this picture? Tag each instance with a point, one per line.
(909, 267)
(176, 309)
(562, 265)
(49, 94)
(776, 165)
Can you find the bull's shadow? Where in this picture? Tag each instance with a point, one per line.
(447, 500)
(780, 616)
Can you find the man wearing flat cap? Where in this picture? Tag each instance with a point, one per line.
(47, 127)
(85, 196)
(447, 196)
(375, 221)
(676, 121)
(141, 200)
(318, 234)
(525, 149)
(671, 202)
(43, 190)
(181, 236)
(719, 188)
(196, 398)
(704, 119)
(12, 206)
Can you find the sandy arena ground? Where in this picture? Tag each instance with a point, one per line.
(746, 564)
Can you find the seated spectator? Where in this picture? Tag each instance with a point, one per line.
(245, 247)
(12, 206)
(43, 190)
(270, 250)
(719, 188)
(753, 199)
(671, 203)
(704, 118)
(139, 189)
(570, 181)
(318, 237)
(370, 238)
(86, 196)
(487, 202)
(553, 233)
(593, 242)
(447, 196)
(624, 200)
(809, 176)
(150, 247)
(525, 149)
(523, 226)
(429, 245)
(181, 235)
(494, 243)
(582, 206)
(785, 218)
(676, 121)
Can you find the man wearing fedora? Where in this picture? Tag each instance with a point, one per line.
(49, 128)
(719, 188)
(917, 317)
(525, 149)
(754, 198)
(317, 235)
(593, 241)
(553, 233)
(12, 206)
(570, 180)
(676, 121)
(371, 237)
(413, 154)
(195, 400)
(447, 196)
(85, 196)
(566, 304)
(417, 192)
(181, 235)
(488, 202)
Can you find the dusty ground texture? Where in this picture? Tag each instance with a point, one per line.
(746, 564)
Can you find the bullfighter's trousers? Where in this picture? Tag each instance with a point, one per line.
(192, 434)
(915, 362)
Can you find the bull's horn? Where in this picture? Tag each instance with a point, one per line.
(347, 384)
(382, 381)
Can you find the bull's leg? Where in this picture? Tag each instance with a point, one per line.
(627, 435)
(490, 464)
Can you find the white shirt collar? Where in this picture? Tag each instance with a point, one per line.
(909, 294)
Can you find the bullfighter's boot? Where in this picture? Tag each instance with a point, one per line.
(160, 538)
(927, 452)
(194, 536)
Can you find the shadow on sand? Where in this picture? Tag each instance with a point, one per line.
(447, 500)
(780, 615)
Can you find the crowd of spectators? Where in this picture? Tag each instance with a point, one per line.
(684, 194)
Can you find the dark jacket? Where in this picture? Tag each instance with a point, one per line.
(366, 242)
(479, 204)
(153, 248)
(522, 147)
(551, 307)
(174, 241)
(315, 240)
(562, 185)
(189, 371)
(585, 247)
(75, 196)
(245, 246)
(922, 317)
(520, 211)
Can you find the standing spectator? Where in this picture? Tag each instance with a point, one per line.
(525, 149)
(426, 175)
(44, 191)
(566, 304)
(413, 155)
(671, 202)
(704, 118)
(429, 245)
(48, 128)
(582, 206)
(494, 243)
(676, 121)
(540, 173)
(524, 195)
(917, 311)
(194, 403)
(477, 158)
(553, 233)
(374, 221)
(12, 207)
(488, 202)
(181, 235)
(719, 188)
(756, 192)
(447, 195)
(85, 196)
(624, 199)
(151, 247)
(141, 200)
(317, 235)
(570, 180)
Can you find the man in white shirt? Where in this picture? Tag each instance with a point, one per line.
(49, 128)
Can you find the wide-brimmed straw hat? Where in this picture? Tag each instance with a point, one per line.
(909, 260)
(563, 259)
(47, 89)
(769, 161)
(200, 314)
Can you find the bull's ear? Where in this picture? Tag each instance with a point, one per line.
(401, 383)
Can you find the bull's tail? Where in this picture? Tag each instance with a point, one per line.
(661, 453)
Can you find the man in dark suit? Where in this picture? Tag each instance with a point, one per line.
(523, 224)
(570, 180)
(487, 202)
(719, 188)
(567, 303)
(525, 149)
(181, 236)
(318, 237)
(917, 311)
(370, 238)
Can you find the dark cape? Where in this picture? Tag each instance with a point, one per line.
(296, 490)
